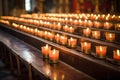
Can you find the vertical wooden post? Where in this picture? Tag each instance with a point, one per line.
(11, 62)
(30, 71)
(18, 65)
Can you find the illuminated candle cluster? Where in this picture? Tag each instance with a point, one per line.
(48, 53)
(93, 26)
(68, 29)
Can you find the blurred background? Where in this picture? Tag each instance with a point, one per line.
(17, 7)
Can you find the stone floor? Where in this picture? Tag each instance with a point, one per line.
(5, 73)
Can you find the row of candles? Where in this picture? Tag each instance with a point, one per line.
(110, 36)
(5, 22)
(105, 17)
(58, 22)
(53, 55)
(101, 51)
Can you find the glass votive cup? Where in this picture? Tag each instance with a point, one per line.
(96, 34)
(45, 51)
(116, 56)
(101, 51)
(54, 56)
(110, 36)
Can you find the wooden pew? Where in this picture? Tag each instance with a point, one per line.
(32, 59)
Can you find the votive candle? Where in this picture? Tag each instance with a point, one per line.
(45, 51)
(72, 42)
(110, 36)
(96, 34)
(86, 47)
(54, 56)
(116, 56)
(101, 51)
(87, 32)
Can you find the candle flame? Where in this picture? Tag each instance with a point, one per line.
(118, 52)
(71, 39)
(54, 51)
(87, 29)
(57, 35)
(46, 46)
(101, 48)
(85, 43)
(110, 35)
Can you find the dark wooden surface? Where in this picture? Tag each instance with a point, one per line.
(31, 55)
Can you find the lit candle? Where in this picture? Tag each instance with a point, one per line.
(72, 42)
(80, 22)
(110, 36)
(117, 26)
(101, 51)
(46, 34)
(28, 29)
(108, 25)
(54, 56)
(50, 36)
(58, 27)
(87, 32)
(71, 29)
(40, 33)
(57, 38)
(36, 31)
(24, 28)
(65, 28)
(31, 30)
(116, 56)
(63, 40)
(89, 23)
(45, 51)
(97, 24)
(86, 47)
(96, 34)
(85, 23)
